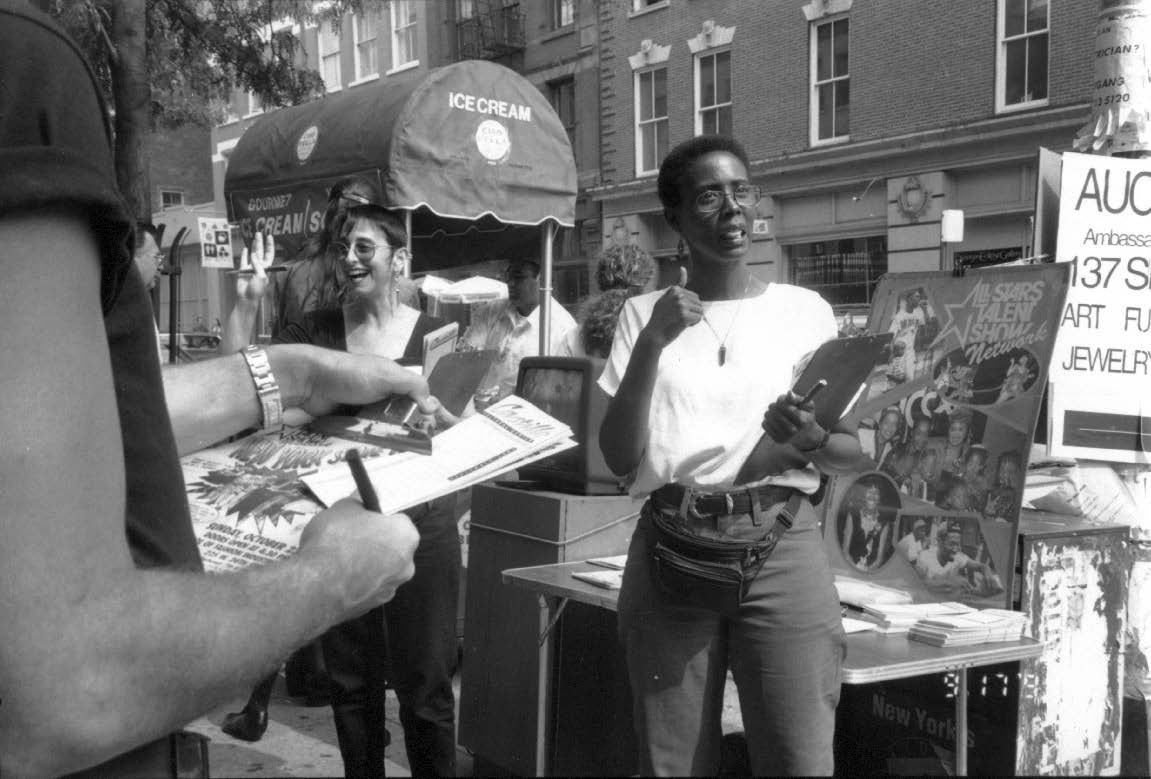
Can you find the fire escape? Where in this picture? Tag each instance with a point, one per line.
(493, 31)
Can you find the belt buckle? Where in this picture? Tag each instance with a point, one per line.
(729, 503)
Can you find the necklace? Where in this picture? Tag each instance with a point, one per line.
(721, 355)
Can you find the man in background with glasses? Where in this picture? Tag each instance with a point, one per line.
(511, 327)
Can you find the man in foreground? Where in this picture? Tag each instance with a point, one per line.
(113, 638)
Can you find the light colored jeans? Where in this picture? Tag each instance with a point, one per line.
(784, 648)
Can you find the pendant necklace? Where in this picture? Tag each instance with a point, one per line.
(721, 355)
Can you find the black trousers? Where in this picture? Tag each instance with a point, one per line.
(412, 641)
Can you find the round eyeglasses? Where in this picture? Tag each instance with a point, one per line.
(711, 200)
(364, 250)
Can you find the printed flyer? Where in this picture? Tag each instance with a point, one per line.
(946, 422)
(1101, 368)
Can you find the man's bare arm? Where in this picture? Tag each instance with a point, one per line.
(134, 654)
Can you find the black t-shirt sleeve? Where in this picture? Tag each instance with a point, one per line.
(55, 145)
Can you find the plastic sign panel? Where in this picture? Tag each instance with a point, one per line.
(1099, 406)
(946, 421)
(215, 243)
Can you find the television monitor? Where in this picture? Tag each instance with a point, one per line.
(565, 388)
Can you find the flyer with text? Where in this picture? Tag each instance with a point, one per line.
(1101, 368)
(946, 423)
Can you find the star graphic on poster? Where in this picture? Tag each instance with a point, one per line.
(958, 318)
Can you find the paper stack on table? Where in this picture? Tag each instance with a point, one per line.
(609, 580)
(976, 627)
(900, 617)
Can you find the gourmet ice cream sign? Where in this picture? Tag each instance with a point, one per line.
(1101, 368)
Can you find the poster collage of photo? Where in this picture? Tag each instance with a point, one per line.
(946, 422)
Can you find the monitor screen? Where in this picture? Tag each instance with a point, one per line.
(559, 391)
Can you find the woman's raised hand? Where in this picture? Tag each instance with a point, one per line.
(251, 287)
(678, 309)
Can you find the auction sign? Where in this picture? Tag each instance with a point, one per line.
(1101, 369)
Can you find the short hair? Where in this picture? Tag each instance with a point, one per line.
(516, 261)
(678, 160)
(624, 267)
(389, 222)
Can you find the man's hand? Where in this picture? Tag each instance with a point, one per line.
(789, 420)
(369, 553)
(678, 309)
(337, 378)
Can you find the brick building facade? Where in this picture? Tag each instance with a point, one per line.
(927, 110)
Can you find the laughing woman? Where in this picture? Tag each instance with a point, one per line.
(416, 631)
(691, 374)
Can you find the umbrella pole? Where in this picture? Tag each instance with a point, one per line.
(548, 235)
(411, 241)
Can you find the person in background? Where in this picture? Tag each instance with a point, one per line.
(512, 328)
(411, 641)
(622, 272)
(699, 376)
(1002, 501)
(113, 638)
(148, 258)
(916, 542)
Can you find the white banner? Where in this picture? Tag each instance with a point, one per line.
(215, 243)
(1101, 368)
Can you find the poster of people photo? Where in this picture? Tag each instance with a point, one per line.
(946, 420)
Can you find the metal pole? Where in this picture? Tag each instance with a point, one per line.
(548, 235)
(174, 271)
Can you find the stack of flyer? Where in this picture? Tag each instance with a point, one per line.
(901, 617)
(859, 593)
(976, 627)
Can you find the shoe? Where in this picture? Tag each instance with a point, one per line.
(246, 725)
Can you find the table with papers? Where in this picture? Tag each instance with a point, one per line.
(871, 657)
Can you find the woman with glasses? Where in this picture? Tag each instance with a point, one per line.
(411, 641)
(698, 375)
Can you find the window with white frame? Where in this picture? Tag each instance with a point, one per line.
(1021, 77)
(830, 81)
(364, 26)
(171, 198)
(403, 33)
(650, 119)
(328, 42)
(562, 13)
(713, 93)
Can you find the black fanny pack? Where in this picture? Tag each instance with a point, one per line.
(711, 573)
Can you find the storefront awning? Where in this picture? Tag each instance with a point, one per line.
(473, 150)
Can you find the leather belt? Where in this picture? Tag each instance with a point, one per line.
(704, 504)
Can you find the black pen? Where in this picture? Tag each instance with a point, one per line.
(363, 483)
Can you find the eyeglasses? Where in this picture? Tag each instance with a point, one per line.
(363, 249)
(711, 200)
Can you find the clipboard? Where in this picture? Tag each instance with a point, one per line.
(846, 363)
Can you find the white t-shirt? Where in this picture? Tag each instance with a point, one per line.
(706, 418)
(497, 325)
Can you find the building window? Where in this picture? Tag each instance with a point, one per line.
(364, 32)
(650, 119)
(830, 82)
(1021, 69)
(844, 271)
(403, 33)
(171, 198)
(562, 13)
(713, 93)
(643, 5)
(328, 42)
(561, 95)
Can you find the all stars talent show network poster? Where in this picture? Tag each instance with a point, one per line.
(946, 424)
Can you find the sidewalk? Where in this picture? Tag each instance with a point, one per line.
(301, 741)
